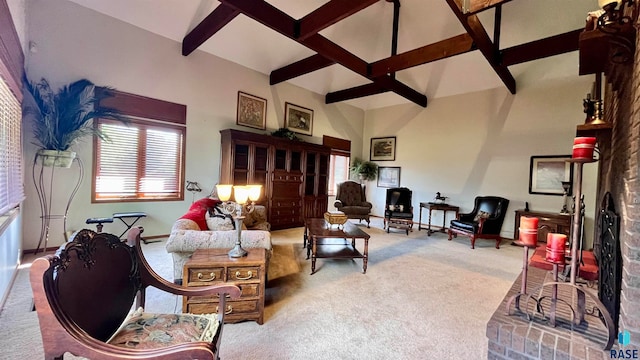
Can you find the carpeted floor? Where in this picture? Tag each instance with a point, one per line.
(421, 298)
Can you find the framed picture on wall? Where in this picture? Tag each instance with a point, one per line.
(389, 176)
(546, 174)
(383, 149)
(252, 111)
(298, 119)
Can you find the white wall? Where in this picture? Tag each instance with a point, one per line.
(481, 143)
(74, 42)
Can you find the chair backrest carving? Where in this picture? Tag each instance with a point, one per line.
(95, 281)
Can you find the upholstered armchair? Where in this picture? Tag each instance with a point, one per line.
(398, 207)
(484, 221)
(351, 200)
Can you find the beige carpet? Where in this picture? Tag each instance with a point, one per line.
(421, 298)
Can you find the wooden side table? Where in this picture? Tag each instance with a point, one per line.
(214, 266)
(432, 207)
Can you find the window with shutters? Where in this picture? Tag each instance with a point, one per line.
(11, 188)
(143, 160)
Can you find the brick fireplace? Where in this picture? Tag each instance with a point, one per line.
(619, 174)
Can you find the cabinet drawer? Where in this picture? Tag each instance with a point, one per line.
(246, 291)
(232, 307)
(245, 273)
(204, 276)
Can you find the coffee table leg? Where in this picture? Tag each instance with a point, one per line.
(429, 231)
(365, 256)
(313, 254)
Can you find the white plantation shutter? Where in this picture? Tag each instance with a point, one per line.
(11, 185)
(142, 160)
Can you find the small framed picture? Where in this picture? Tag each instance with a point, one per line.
(383, 149)
(298, 119)
(546, 174)
(252, 111)
(388, 177)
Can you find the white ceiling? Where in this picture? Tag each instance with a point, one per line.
(367, 34)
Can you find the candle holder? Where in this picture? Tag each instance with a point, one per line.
(556, 244)
(528, 238)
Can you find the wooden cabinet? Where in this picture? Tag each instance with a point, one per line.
(214, 266)
(294, 174)
(548, 223)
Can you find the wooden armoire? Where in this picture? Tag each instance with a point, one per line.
(294, 174)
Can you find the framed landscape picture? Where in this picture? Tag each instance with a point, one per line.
(298, 119)
(546, 174)
(252, 111)
(383, 149)
(388, 177)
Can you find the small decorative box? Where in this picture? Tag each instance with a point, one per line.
(335, 217)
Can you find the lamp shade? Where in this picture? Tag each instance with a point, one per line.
(241, 194)
(254, 192)
(224, 192)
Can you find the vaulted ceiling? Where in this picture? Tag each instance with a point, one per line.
(374, 53)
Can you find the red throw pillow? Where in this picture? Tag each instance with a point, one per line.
(197, 211)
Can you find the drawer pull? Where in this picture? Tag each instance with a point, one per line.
(249, 275)
(229, 310)
(226, 296)
(212, 276)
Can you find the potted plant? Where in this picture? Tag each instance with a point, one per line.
(366, 170)
(62, 118)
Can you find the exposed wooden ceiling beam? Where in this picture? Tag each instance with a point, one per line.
(553, 45)
(266, 14)
(329, 14)
(474, 27)
(408, 93)
(333, 51)
(456, 45)
(477, 6)
(354, 93)
(298, 68)
(277, 20)
(381, 85)
(219, 17)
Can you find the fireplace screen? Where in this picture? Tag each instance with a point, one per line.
(610, 258)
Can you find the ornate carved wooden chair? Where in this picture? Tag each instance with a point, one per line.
(351, 200)
(84, 294)
(484, 221)
(398, 209)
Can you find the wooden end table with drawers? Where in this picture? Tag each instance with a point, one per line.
(214, 266)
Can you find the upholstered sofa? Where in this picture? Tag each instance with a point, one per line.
(190, 232)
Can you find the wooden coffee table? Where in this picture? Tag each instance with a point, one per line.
(325, 241)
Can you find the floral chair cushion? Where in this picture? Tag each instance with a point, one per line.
(150, 331)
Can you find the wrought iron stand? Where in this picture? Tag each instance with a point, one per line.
(43, 181)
